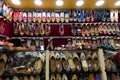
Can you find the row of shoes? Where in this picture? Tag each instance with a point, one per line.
(22, 63)
(66, 16)
(75, 77)
(37, 77)
(86, 61)
(105, 42)
(96, 29)
(28, 62)
(85, 29)
(31, 29)
(113, 76)
(110, 64)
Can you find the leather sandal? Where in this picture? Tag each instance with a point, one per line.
(47, 29)
(65, 63)
(84, 62)
(70, 61)
(61, 29)
(52, 62)
(58, 62)
(76, 60)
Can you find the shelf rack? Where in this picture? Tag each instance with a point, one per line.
(65, 37)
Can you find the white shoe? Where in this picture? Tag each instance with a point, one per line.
(112, 15)
(116, 15)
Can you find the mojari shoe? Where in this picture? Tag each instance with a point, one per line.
(52, 62)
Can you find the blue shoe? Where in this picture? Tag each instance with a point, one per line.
(108, 77)
(79, 15)
(97, 77)
(83, 15)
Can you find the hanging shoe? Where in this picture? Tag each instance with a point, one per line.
(57, 17)
(16, 28)
(48, 17)
(89, 62)
(42, 44)
(74, 77)
(75, 15)
(88, 15)
(50, 44)
(84, 62)
(70, 61)
(20, 16)
(73, 30)
(92, 15)
(97, 77)
(113, 77)
(52, 62)
(67, 17)
(62, 16)
(22, 30)
(91, 77)
(32, 78)
(65, 63)
(79, 14)
(58, 77)
(52, 77)
(116, 15)
(15, 78)
(58, 62)
(71, 15)
(26, 78)
(38, 77)
(76, 60)
(79, 30)
(41, 28)
(31, 29)
(96, 65)
(30, 15)
(39, 17)
(44, 16)
(27, 29)
(64, 77)
(24, 16)
(36, 32)
(47, 29)
(39, 63)
(61, 29)
(53, 16)
(112, 15)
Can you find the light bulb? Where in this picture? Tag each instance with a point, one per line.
(59, 2)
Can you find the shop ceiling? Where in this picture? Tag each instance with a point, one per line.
(68, 4)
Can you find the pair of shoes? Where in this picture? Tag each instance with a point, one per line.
(48, 17)
(39, 63)
(96, 77)
(50, 44)
(109, 64)
(61, 29)
(76, 29)
(114, 15)
(81, 15)
(44, 15)
(3, 60)
(65, 63)
(23, 70)
(62, 16)
(76, 61)
(67, 16)
(70, 61)
(58, 77)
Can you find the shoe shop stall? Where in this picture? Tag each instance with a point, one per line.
(59, 40)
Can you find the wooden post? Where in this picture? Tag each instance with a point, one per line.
(47, 65)
(102, 64)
